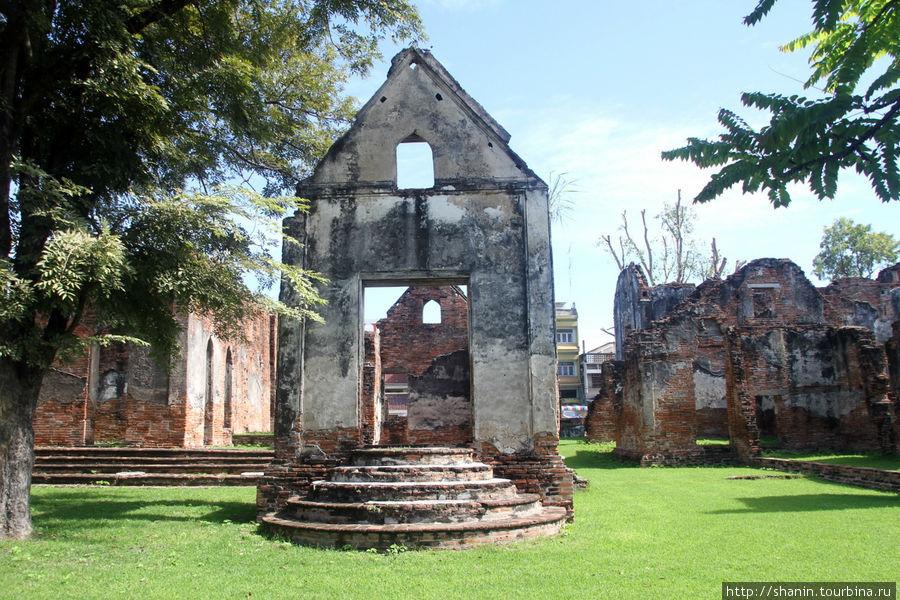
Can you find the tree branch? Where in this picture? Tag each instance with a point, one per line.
(619, 262)
(166, 8)
(649, 265)
(853, 147)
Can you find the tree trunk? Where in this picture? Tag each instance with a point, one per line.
(19, 387)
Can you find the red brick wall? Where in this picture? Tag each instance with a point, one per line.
(64, 410)
(371, 409)
(126, 398)
(407, 344)
(600, 422)
(781, 316)
(830, 391)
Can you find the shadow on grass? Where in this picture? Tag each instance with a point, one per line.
(84, 510)
(810, 502)
(597, 458)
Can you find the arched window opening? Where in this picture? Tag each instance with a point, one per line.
(431, 312)
(229, 374)
(415, 164)
(208, 406)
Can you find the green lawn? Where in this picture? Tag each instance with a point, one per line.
(638, 533)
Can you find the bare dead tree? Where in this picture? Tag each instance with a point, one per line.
(628, 247)
(618, 256)
(674, 256)
(717, 263)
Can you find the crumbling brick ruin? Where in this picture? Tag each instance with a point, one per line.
(762, 353)
(481, 223)
(119, 395)
(423, 386)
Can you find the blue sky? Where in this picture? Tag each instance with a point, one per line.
(597, 89)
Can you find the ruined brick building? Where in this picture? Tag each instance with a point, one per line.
(760, 354)
(119, 395)
(482, 222)
(420, 381)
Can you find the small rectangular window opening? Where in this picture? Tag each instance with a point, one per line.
(415, 165)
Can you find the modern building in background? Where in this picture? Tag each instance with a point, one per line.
(590, 363)
(568, 373)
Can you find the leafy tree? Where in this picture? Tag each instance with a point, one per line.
(110, 112)
(853, 250)
(672, 255)
(811, 140)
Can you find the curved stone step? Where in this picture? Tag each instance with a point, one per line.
(413, 511)
(461, 535)
(378, 455)
(357, 491)
(424, 473)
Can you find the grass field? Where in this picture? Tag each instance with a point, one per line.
(638, 533)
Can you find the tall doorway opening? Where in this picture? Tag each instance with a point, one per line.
(417, 383)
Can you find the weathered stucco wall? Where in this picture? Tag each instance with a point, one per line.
(440, 409)
(636, 304)
(484, 224)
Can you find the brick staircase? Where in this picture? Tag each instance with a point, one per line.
(415, 498)
(149, 466)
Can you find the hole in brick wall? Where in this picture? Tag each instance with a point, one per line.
(382, 99)
(763, 303)
(229, 382)
(396, 393)
(431, 313)
(439, 97)
(767, 419)
(209, 399)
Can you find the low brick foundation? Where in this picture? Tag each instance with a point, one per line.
(693, 457)
(266, 440)
(876, 479)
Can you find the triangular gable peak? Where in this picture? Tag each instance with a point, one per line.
(421, 101)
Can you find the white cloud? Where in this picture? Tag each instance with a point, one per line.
(614, 158)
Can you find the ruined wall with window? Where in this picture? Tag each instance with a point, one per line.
(760, 355)
(119, 394)
(426, 400)
(480, 220)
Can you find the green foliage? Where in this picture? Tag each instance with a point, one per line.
(812, 140)
(849, 249)
(121, 122)
(114, 117)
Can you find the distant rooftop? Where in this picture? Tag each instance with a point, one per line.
(561, 309)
